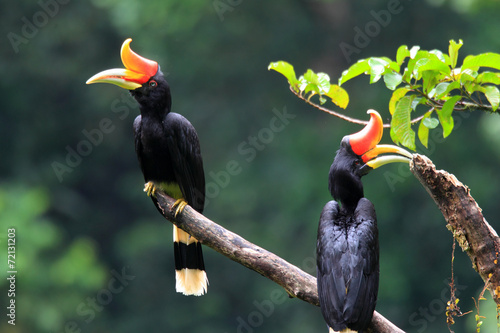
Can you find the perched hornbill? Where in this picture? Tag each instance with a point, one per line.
(168, 149)
(347, 248)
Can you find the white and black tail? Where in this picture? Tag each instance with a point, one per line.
(190, 275)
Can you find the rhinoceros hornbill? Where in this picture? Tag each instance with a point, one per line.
(169, 154)
(347, 247)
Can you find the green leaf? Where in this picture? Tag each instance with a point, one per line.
(392, 80)
(286, 70)
(311, 77)
(488, 77)
(413, 51)
(393, 66)
(450, 87)
(429, 80)
(401, 131)
(467, 75)
(423, 130)
(439, 89)
(417, 101)
(453, 51)
(323, 83)
(491, 60)
(445, 115)
(396, 96)
(493, 96)
(317, 83)
(429, 122)
(402, 54)
(355, 70)
(338, 95)
(472, 87)
(423, 134)
(419, 54)
(309, 87)
(302, 83)
(377, 68)
(443, 88)
(444, 58)
(431, 63)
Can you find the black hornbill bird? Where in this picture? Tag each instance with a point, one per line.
(347, 248)
(169, 154)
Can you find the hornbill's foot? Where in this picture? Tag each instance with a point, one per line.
(179, 206)
(150, 189)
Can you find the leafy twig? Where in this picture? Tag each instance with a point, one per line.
(340, 115)
(415, 77)
(336, 114)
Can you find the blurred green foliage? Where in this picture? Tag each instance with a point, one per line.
(94, 255)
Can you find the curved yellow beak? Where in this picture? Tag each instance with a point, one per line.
(370, 156)
(138, 70)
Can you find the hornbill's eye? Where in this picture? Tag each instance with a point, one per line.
(153, 83)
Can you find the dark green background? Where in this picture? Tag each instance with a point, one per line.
(77, 229)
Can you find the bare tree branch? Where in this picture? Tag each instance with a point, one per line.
(296, 282)
(465, 220)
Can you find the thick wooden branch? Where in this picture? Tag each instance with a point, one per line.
(465, 220)
(296, 282)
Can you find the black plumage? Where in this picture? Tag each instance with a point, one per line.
(168, 150)
(347, 247)
(167, 145)
(169, 154)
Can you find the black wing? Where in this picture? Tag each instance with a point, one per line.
(187, 163)
(347, 263)
(364, 248)
(137, 138)
(329, 249)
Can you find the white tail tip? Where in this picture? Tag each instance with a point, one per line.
(191, 282)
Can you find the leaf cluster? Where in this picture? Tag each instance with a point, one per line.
(416, 78)
(311, 83)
